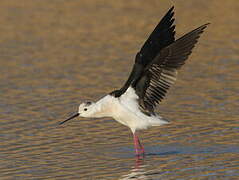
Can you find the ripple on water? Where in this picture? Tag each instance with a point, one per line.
(54, 55)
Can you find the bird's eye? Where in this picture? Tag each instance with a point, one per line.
(85, 109)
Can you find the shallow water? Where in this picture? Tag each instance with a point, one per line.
(55, 54)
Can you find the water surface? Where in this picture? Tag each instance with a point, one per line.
(56, 54)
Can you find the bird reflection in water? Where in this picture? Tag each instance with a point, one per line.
(138, 171)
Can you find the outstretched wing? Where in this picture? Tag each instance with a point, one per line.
(162, 36)
(161, 73)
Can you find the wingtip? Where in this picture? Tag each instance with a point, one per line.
(203, 27)
(171, 8)
(171, 11)
(206, 24)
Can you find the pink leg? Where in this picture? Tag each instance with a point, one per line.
(139, 149)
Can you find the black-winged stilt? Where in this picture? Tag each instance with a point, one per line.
(154, 71)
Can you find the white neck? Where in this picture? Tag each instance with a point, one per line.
(102, 107)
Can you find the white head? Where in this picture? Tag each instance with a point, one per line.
(101, 108)
(86, 109)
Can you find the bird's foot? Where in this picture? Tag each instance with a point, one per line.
(139, 148)
(139, 152)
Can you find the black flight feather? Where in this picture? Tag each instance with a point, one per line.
(161, 73)
(162, 36)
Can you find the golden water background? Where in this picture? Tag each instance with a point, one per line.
(54, 54)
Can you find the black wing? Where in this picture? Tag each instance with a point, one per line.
(162, 36)
(161, 73)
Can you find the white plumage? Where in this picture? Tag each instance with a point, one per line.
(153, 73)
(124, 109)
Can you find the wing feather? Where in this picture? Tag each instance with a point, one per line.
(161, 73)
(162, 36)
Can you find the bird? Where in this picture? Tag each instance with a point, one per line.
(153, 73)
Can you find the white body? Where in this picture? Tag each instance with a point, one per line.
(124, 109)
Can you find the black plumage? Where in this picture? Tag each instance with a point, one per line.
(157, 62)
(162, 36)
(161, 73)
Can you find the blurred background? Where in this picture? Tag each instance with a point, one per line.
(56, 54)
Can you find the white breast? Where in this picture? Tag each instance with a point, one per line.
(125, 110)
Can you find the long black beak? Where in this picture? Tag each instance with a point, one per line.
(75, 115)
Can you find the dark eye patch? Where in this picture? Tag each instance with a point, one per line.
(88, 103)
(85, 109)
